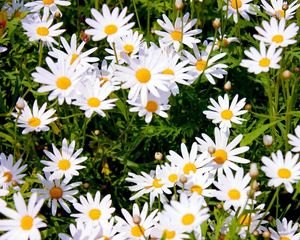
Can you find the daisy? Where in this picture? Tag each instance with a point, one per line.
(106, 75)
(93, 211)
(61, 81)
(10, 173)
(41, 29)
(154, 105)
(222, 40)
(57, 192)
(170, 174)
(276, 32)
(224, 113)
(285, 230)
(35, 120)
(282, 170)
(110, 25)
(178, 33)
(224, 154)
(92, 97)
(202, 65)
(23, 222)
(238, 7)
(16, 9)
(73, 52)
(47, 5)
(109, 231)
(262, 60)
(294, 140)
(275, 9)
(136, 231)
(64, 163)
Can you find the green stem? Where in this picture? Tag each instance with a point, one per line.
(97, 4)
(115, 52)
(148, 19)
(137, 15)
(16, 138)
(40, 52)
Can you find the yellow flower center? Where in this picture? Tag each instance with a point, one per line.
(220, 156)
(94, 102)
(245, 220)
(8, 176)
(110, 29)
(42, 31)
(74, 57)
(63, 83)
(105, 238)
(156, 183)
(235, 4)
(279, 13)
(26, 223)
(48, 2)
(168, 71)
(95, 214)
(234, 194)
(169, 234)
(284, 238)
(189, 167)
(176, 35)
(143, 75)
(277, 38)
(196, 188)
(128, 48)
(151, 106)
(227, 114)
(264, 62)
(284, 173)
(64, 164)
(200, 65)
(188, 219)
(173, 177)
(34, 122)
(56, 193)
(137, 231)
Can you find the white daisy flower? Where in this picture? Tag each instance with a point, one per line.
(275, 9)
(294, 140)
(23, 222)
(224, 154)
(282, 170)
(238, 7)
(35, 120)
(109, 231)
(106, 75)
(10, 173)
(61, 81)
(178, 33)
(224, 113)
(16, 9)
(64, 163)
(41, 29)
(108, 24)
(276, 32)
(222, 40)
(202, 65)
(93, 98)
(170, 174)
(73, 52)
(47, 5)
(130, 229)
(57, 192)
(262, 60)
(93, 211)
(285, 230)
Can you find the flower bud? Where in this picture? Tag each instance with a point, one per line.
(266, 234)
(285, 6)
(248, 106)
(178, 4)
(86, 185)
(270, 218)
(227, 86)
(253, 172)
(216, 23)
(136, 219)
(97, 132)
(255, 185)
(183, 179)
(211, 150)
(255, 233)
(267, 140)
(219, 206)
(57, 14)
(286, 74)
(297, 69)
(158, 156)
(15, 183)
(20, 103)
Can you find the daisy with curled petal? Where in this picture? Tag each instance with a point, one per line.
(294, 140)
(60, 81)
(202, 65)
(225, 113)
(73, 52)
(189, 163)
(276, 32)
(238, 7)
(93, 98)
(276, 8)
(47, 5)
(23, 222)
(224, 155)
(10, 173)
(108, 25)
(285, 230)
(64, 163)
(170, 174)
(57, 192)
(41, 29)
(35, 120)
(282, 170)
(95, 212)
(178, 33)
(262, 60)
(130, 229)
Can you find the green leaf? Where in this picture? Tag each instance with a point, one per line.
(7, 137)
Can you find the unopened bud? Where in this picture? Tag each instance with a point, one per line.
(178, 4)
(267, 140)
(219, 206)
(227, 86)
(84, 37)
(14, 183)
(158, 156)
(57, 14)
(183, 179)
(211, 150)
(255, 185)
(97, 132)
(86, 185)
(253, 172)
(286, 74)
(216, 23)
(251, 193)
(285, 6)
(255, 233)
(248, 106)
(266, 234)
(297, 69)
(20, 104)
(270, 218)
(136, 219)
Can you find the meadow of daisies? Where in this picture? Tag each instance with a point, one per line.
(149, 120)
